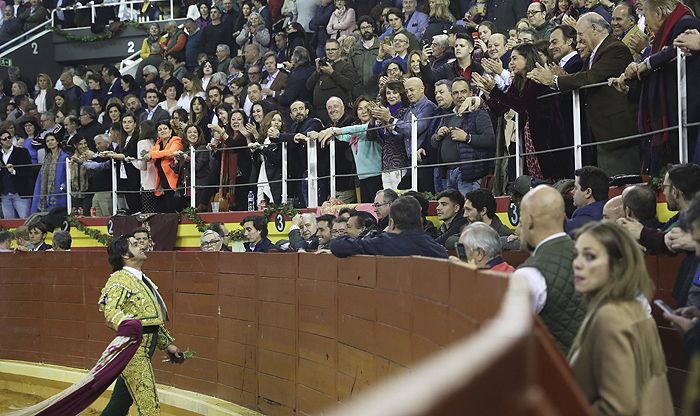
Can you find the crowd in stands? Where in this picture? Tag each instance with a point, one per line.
(237, 81)
(234, 85)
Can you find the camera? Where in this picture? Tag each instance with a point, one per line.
(325, 61)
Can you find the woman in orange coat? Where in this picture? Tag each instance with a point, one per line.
(166, 178)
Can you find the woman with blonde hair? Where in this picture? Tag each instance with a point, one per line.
(617, 357)
(254, 31)
(439, 18)
(342, 21)
(43, 96)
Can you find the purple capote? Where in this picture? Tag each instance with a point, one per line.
(82, 394)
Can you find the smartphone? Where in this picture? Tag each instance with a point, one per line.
(475, 36)
(664, 307)
(461, 252)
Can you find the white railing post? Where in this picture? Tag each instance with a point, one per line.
(576, 97)
(69, 202)
(284, 172)
(172, 11)
(312, 174)
(332, 157)
(92, 12)
(518, 148)
(193, 196)
(414, 153)
(114, 188)
(682, 107)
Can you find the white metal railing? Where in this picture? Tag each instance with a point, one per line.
(122, 5)
(26, 37)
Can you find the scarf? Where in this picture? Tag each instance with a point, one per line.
(339, 12)
(48, 178)
(78, 178)
(653, 112)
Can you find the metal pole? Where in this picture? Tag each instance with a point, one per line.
(172, 11)
(312, 174)
(332, 157)
(284, 172)
(518, 148)
(414, 153)
(576, 97)
(114, 188)
(682, 107)
(92, 12)
(69, 202)
(193, 185)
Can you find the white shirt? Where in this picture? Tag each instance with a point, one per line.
(122, 169)
(270, 79)
(566, 58)
(538, 285)
(590, 61)
(6, 154)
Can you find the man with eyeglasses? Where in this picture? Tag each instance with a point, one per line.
(16, 178)
(362, 56)
(49, 125)
(210, 240)
(382, 202)
(537, 16)
(334, 76)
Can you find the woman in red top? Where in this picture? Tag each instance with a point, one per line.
(166, 179)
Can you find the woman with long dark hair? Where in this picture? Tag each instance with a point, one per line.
(199, 115)
(50, 188)
(194, 138)
(617, 356)
(229, 148)
(147, 169)
(162, 154)
(394, 158)
(540, 119)
(128, 176)
(270, 149)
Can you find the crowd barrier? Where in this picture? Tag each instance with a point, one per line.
(298, 333)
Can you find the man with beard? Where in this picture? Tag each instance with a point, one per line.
(450, 204)
(295, 136)
(362, 56)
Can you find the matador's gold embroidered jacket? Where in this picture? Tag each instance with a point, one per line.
(127, 296)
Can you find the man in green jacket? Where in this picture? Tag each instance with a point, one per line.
(362, 56)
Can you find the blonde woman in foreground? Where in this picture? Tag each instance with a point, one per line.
(617, 356)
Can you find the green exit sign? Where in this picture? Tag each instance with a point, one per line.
(5, 62)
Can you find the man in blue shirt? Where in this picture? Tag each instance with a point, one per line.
(405, 236)
(590, 196)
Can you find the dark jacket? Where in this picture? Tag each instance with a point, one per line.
(585, 214)
(545, 124)
(263, 246)
(482, 144)
(296, 86)
(159, 115)
(603, 104)
(23, 179)
(10, 29)
(448, 71)
(406, 243)
(505, 13)
(455, 228)
(89, 131)
(325, 86)
(194, 45)
(297, 242)
(297, 151)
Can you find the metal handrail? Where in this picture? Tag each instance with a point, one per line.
(24, 38)
(93, 6)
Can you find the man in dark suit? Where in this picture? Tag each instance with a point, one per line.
(296, 82)
(606, 57)
(153, 111)
(334, 76)
(274, 80)
(405, 236)
(255, 231)
(37, 236)
(112, 77)
(16, 178)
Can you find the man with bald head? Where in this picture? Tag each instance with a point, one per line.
(344, 185)
(421, 107)
(549, 269)
(613, 209)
